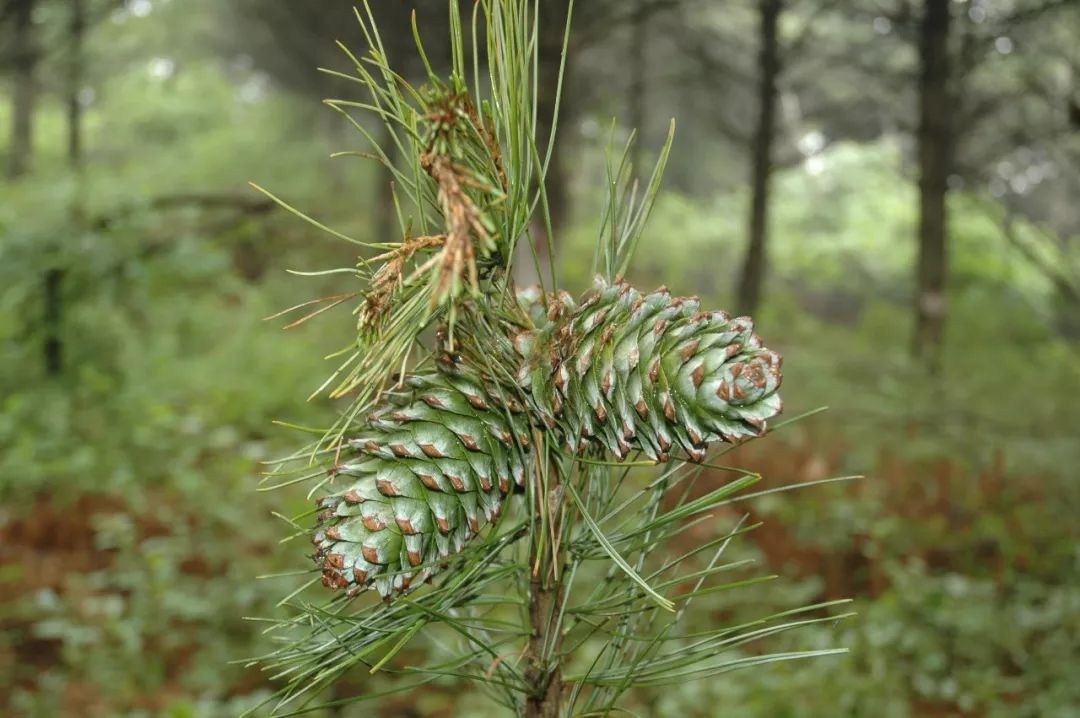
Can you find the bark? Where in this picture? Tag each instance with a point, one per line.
(935, 149)
(545, 697)
(546, 597)
(754, 265)
(25, 57)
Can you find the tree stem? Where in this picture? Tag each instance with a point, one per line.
(24, 60)
(76, 35)
(544, 674)
(545, 695)
(935, 141)
(754, 264)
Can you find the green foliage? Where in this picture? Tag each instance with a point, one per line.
(531, 393)
(130, 537)
(988, 548)
(126, 481)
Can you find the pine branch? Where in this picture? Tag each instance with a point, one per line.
(525, 393)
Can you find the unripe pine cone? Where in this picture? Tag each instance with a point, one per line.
(619, 371)
(428, 472)
(636, 372)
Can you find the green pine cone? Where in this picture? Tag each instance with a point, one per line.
(646, 372)
(619, 371)
(427, 473)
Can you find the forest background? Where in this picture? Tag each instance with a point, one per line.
(889, 186)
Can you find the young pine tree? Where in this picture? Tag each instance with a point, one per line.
(479, 487)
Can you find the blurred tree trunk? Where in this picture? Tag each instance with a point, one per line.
(935, 149)
(551, 32)
(638, 63)
(75, 81)
(53, 282)
(53, 286)
(24, 54)
(753, 272)
(386, 224)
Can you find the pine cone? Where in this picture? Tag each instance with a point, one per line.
(619, 371)
(633, 372)
(427, 474)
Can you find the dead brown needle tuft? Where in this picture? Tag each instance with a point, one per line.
(389, 277)
(458, 256)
